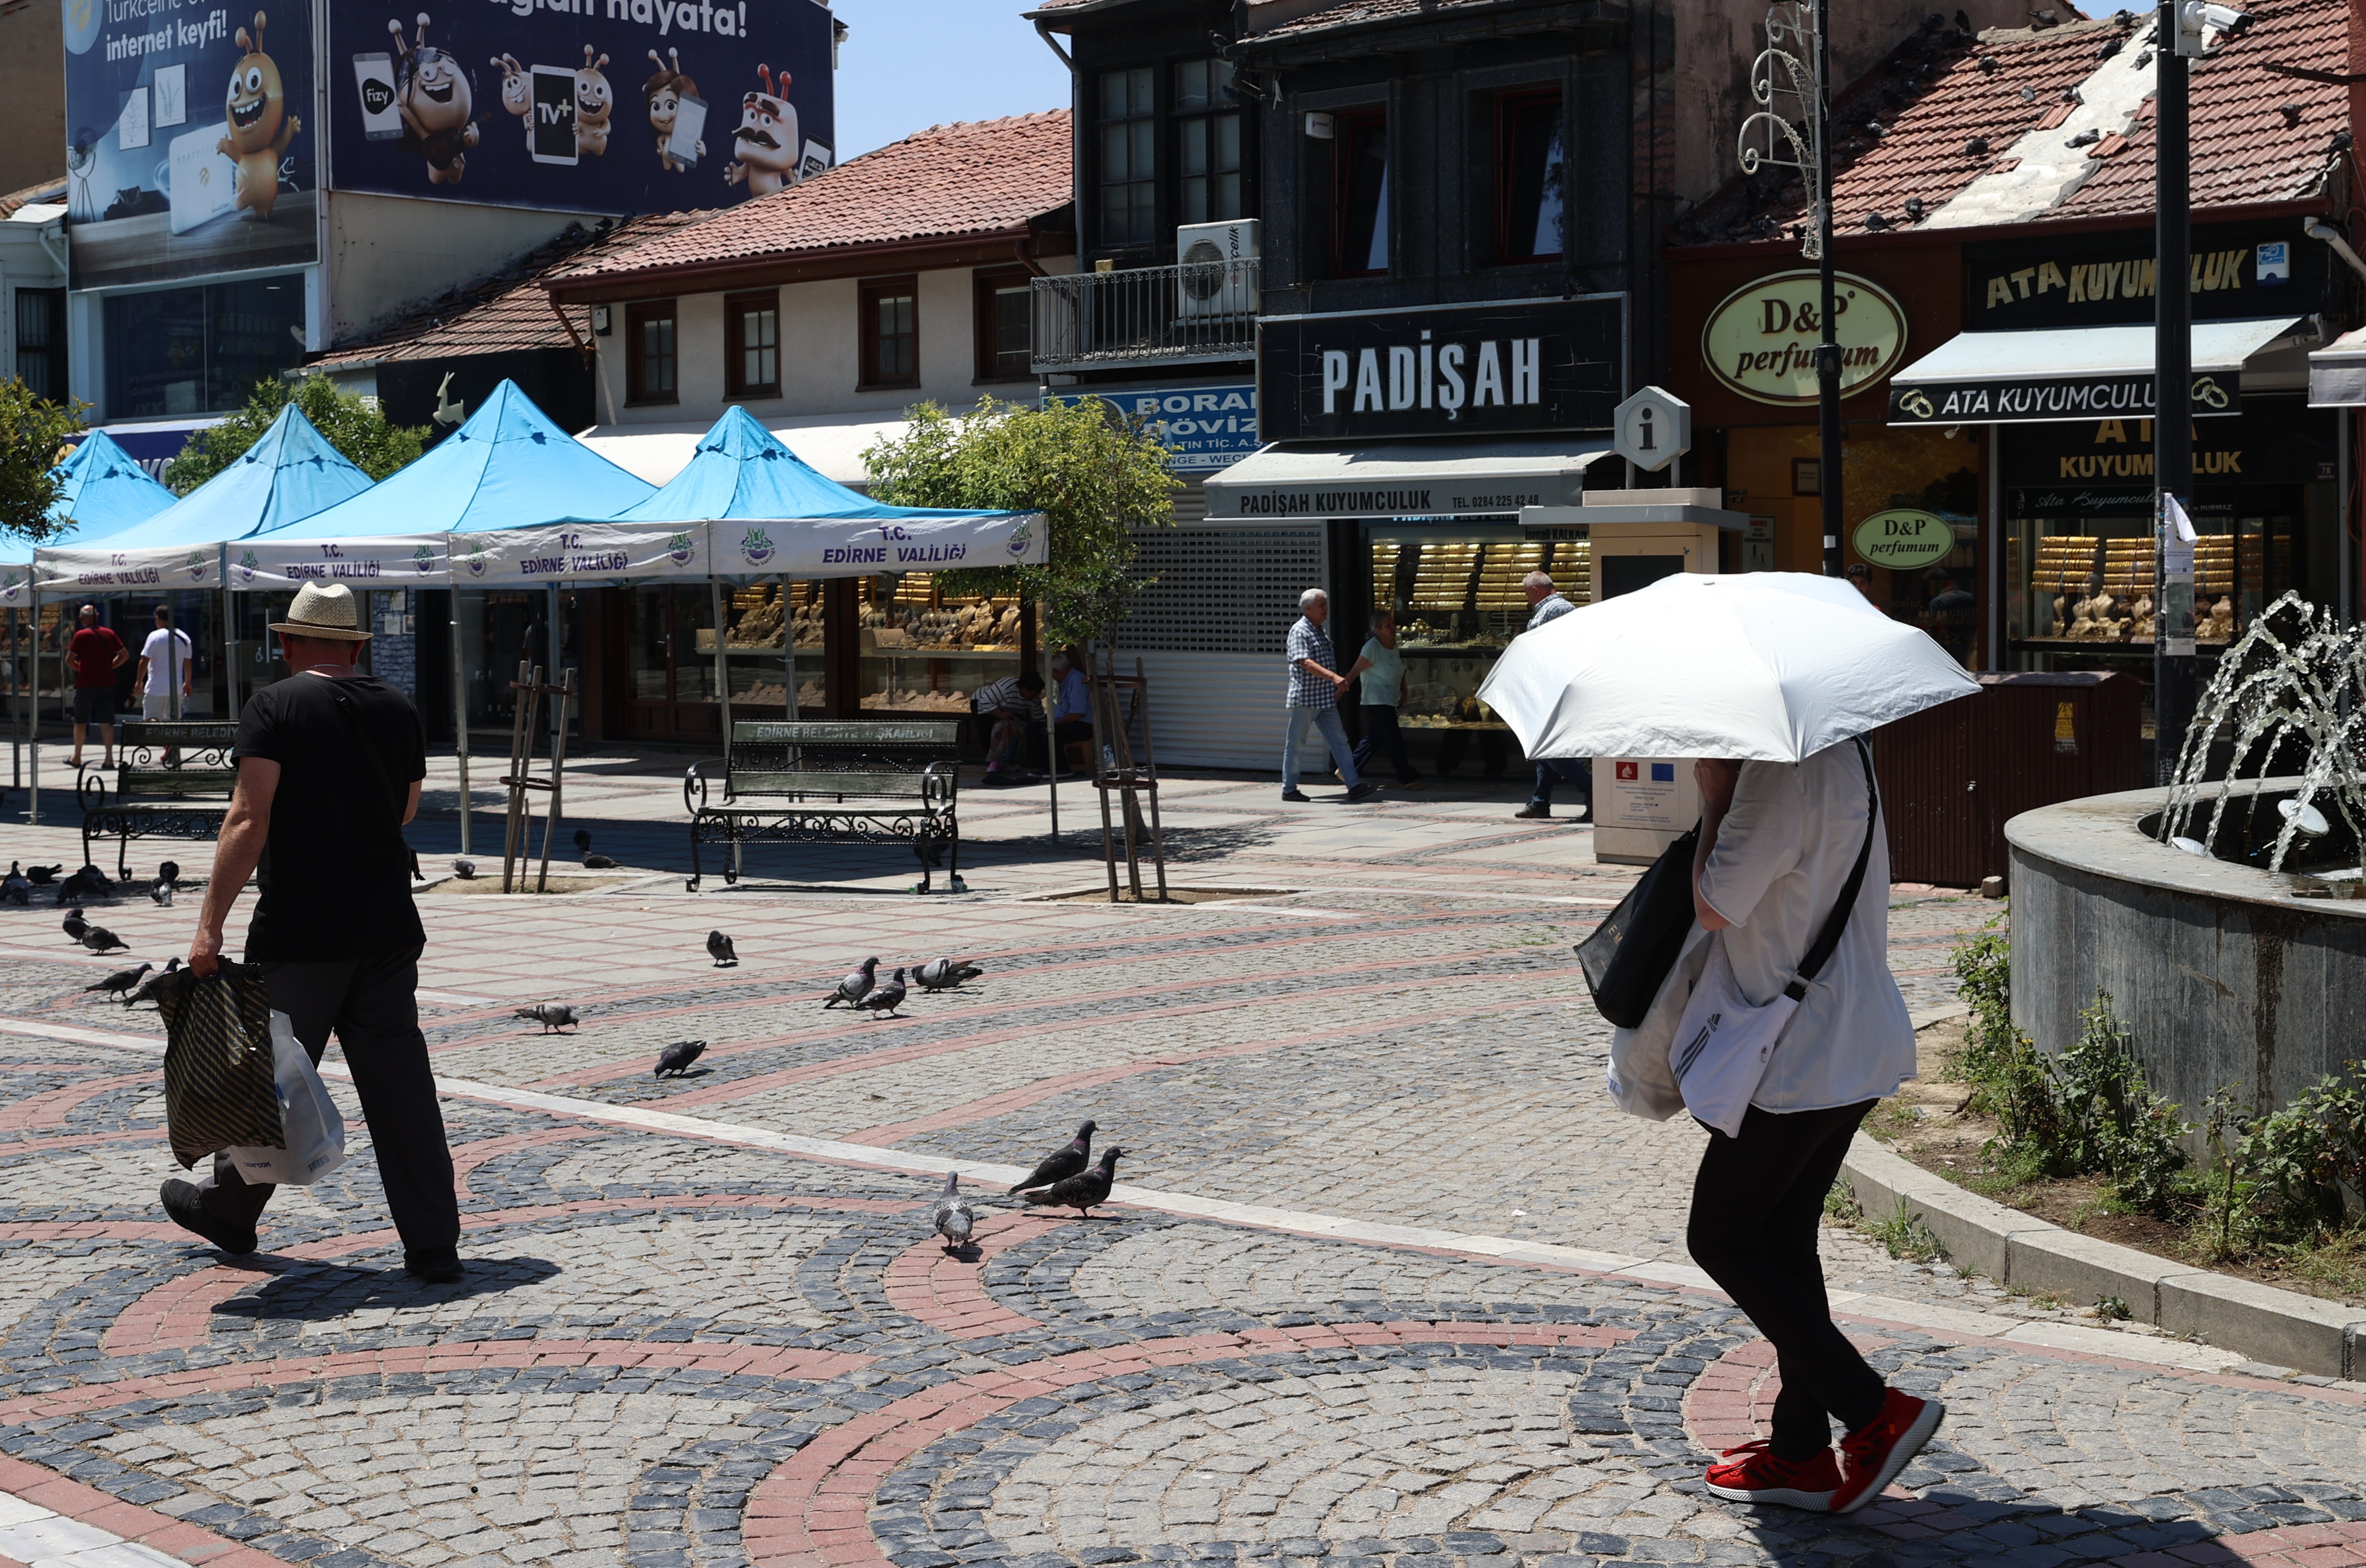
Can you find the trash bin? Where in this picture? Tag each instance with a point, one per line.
(1952, 776)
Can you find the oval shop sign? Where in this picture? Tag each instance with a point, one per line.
(1760, 340)
(1904, 539)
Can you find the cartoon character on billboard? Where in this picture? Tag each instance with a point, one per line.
(594, 102)
(766, 144)
(517, 94)
(435, 99)
(662, 94)
(260, 126)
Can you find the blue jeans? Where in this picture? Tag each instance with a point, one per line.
(1575, 770)
(1334, 732)
(1381, 732)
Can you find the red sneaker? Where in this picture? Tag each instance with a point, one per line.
(1754, 1473)
(1872, 1456)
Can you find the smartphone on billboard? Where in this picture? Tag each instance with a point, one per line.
(374, 80)
(689, 127)
(554, 115)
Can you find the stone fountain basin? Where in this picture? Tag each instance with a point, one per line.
(2224, 973)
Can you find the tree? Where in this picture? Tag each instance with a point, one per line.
(351, 424)
(33, 436)
(1095, 479)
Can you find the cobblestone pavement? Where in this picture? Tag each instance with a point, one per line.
(1389, 1285)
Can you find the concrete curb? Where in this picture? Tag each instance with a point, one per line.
(2277, 1327)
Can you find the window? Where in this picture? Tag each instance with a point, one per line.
(1207, 143)
(41, 342)
(1359, 245)
(1528, 173)
(1129, 158)
(1004, 313)
(890, 332)
(649, 353)
(197, 351)
(751, 337)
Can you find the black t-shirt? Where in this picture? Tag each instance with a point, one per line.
(335, 877)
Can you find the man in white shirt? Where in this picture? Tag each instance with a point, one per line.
(1778, 843)
(1546, 605)
(167, 665)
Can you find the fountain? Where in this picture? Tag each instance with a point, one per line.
(2225, 914)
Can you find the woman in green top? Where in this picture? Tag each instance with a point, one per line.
(1382, 668)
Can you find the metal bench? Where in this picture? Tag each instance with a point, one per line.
(150, 797)
(832, 783)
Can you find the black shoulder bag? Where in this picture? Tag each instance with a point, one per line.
(1629, 954)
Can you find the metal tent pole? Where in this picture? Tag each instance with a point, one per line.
(722, 667)
(1828, 348)
(460, 715)
(33, 730)
(2172, 425)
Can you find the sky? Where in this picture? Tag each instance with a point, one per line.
(909, 64)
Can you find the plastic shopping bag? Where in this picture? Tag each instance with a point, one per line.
(314, 1131)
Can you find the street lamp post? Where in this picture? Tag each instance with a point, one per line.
(1828, 348)
(2178, 36)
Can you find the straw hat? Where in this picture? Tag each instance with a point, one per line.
(328, 613)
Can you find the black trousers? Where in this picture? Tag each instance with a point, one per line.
(1757, 1204)
(373, 1006)
(1381, 732)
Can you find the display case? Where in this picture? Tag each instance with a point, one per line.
(2092, 585)
(772, 645)
(924, 651)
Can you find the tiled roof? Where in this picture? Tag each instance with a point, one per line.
(46, 191)
(1950, 109)
(505, 311)
(1351, 13)
(976, 178)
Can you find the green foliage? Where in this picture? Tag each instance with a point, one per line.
(1097, 481)
(351, 425)
(33, 435)
(2280, 1179)
(1905, 1234)
(2009, 1079)
(2111, 1121)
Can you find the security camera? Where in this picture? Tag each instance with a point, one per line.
(2197, 19)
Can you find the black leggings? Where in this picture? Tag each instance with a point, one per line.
(1757, 1204)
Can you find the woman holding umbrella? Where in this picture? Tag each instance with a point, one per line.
(1779, 1026)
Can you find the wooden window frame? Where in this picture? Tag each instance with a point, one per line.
(985, 283)
(1341, 120)
(1156, 121)
(1205, 119)
(637, 391)
(867, 292)
(1508, 105)
(52, 307)
(736, 308)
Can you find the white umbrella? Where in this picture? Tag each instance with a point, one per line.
(1772, 666)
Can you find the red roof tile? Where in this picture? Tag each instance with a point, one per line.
(977, 178)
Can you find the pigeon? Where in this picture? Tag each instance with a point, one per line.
(153, 989)
(121, 981)
(1962, 22)
(953, 1216)
(1062, 1163)
(88, 882)
(1914, 208)
(856, 986)
(2087, 137)
(675, 1060)
(549, 1014)
(945, 974)
(100, 939)
(1079, 1192)
(15, 890)
(591, 862)
(42, 876)
(1988, 64)
(465, 869)
(162, 893)
(719, 948)
(73, 924)
(168, 872)
(886, 999)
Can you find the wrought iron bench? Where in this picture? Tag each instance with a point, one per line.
(150, 797)
(833, 783)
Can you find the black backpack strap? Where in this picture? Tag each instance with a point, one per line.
(368, 747)
(1828, 940)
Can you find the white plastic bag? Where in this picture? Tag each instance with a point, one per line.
(1724, 1043)
(309, 1119)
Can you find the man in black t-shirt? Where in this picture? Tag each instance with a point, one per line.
(329, 765)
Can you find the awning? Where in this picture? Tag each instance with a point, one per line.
(1405, 479)
(831, 444)
(2071, 373)
(2337, 373)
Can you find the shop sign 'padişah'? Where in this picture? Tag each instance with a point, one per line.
(1760, 340)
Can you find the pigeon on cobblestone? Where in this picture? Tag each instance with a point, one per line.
(953, 1216)
(465, 869)
(42, 876)
(944, 974)
(15, 890)
(73, 924)
(121, 981)
(154, 989)
(719, 948)
(1080, 1191)
(100, 939)
(856, 986)
(675, 1060)
(886, 999)
(551, 1016)
(1062, 1163)
(90, 883)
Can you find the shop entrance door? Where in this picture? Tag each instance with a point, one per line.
(671, 669)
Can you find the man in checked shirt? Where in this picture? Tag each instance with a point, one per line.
(1314, 688)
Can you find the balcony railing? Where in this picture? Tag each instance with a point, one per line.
(1202, 310)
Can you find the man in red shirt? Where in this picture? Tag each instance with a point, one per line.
(95, 653)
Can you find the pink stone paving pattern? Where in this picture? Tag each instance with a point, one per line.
(157, 1531)
(815, 1508)
(50, 1108)
(945, 1292)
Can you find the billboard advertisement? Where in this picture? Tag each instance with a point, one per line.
(189, 146)
(589, 106)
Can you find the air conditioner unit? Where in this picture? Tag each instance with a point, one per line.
(1212, 279)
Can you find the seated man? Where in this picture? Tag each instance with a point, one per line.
(1001, 710)
(1072, 713)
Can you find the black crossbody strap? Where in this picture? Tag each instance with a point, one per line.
(370, 754)
(1828, 940)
